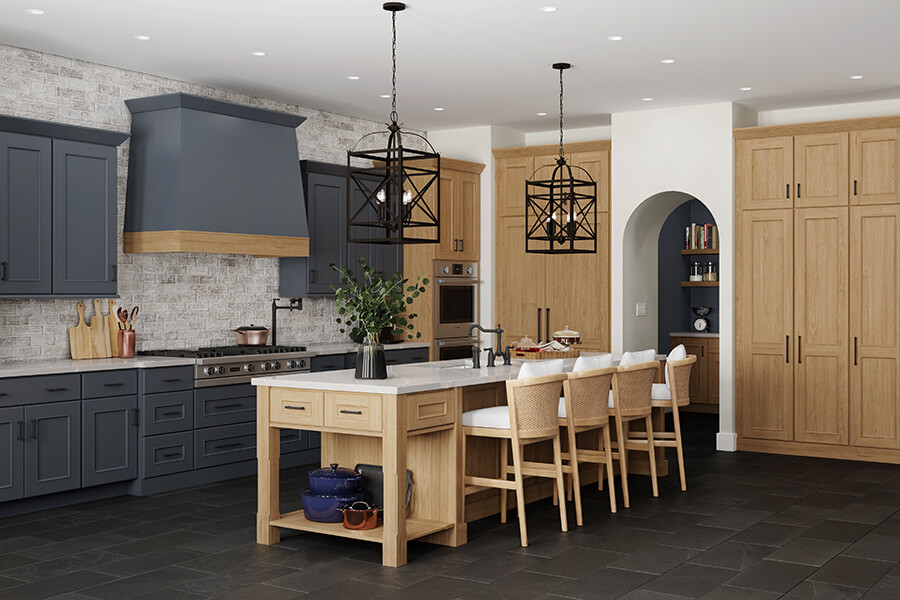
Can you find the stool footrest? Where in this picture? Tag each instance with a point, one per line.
(489, 482)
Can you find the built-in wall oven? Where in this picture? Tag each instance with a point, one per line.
(455, 308)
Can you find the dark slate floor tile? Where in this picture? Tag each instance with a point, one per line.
(575, 563)
(527, 585)
(12, 561)
(155, 543)
(772, 576)
(74, 546)
(133, 587)
(21, 543)
(627, 540)
(497, 566)
(233, 579)
(260, 591)
(852, 571)
(62, 566)
(85, 529)
(728, 592)
(732, 555)
(864, 513)
(838, 531)
(803, 516)
(889, 527)
(817, 589)
(656, 559)
(882, 498)
(323, 575)
(691, 581)
(144, 563)
(768, 534)
(604, 584)
(886, 589)
(828, 500)
(170, 594)
(644, 594)
(71, 582)
(769, 502)
(737, 518)
(877, 547)
(701, 537)
(433, 588)
(808, 551)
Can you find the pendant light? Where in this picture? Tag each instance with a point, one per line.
(386, 191)
(561, 211)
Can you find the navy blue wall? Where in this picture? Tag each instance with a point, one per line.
(675, 302)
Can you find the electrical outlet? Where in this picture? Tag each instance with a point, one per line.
(640, 309)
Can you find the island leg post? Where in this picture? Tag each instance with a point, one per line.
(394, 450)
(268, 451)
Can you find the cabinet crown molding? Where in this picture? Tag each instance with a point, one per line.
(766, 131)
(547, 149)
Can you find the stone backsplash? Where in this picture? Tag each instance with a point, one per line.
(186, 299)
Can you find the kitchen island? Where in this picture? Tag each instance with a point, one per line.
(412, 420)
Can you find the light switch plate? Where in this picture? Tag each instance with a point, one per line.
(640, 309)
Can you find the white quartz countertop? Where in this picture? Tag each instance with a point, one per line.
(404, 379)
(26, 368)
(696, 334)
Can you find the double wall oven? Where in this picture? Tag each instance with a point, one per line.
(455, 308)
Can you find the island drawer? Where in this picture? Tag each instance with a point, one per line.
(295, 407)
(167, 454)
(102, 384)
(43, 388)
(431, 409)
(358, 412)
(168, 413)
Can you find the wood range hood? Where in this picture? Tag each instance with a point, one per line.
(212, 176)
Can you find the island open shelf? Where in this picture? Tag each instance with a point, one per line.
(415, 528)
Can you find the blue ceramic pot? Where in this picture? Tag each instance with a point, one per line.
(333, 481)
(327, 509)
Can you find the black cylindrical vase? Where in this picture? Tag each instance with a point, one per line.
(370, 362)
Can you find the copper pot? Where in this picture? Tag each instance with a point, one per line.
(254, 335)
(360, 515)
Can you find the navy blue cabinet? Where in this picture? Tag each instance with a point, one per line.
(12, 450)
(52, 447)
(111, 427)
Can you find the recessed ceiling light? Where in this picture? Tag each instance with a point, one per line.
(34, 11)
(142, 38)
(856, 77)
(745, 89)
(384, 96)
(258, 53)
(548, 9)
(615, 38)
(648, 99)
(667, 61)
(438, 108)
(542, 114)
(352, 77)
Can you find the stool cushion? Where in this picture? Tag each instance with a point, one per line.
(537, 368)
(611, 403)
(641, 356)
(493, 417)
(562, 408)
(660, 392)
(591, 362)
(677, 353)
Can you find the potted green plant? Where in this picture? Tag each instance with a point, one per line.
(372, 304)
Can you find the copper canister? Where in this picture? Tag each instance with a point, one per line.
(126, 341)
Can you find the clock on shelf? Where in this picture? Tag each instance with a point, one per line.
(701, 323)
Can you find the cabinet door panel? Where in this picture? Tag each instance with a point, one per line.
(764, 173)
(875, 326)
(821, 169)
(448, 247)
(327, 201)
(712, 371)
(468, 217)
(597, 165)
(763, 305)
(84, 218)
(699, 375)
(519, 282)
(875, 166)
(510, 189)
(12, 461)
(25, 213)
(820, 323)
(52, 448)
(109, 430)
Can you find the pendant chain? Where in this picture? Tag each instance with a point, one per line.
(561, 113)
(394, 67)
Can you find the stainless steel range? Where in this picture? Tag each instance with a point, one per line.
(228, 365)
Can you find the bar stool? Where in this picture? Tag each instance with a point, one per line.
(672, 395)
(630, 401)
(529, 417)
(585, 408)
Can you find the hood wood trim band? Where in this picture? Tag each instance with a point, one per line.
(214, 242)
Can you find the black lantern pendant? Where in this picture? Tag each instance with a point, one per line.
(386, 196)
(561, 212)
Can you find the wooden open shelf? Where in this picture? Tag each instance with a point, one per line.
(701, 251)
(415, 528)
(699, 284)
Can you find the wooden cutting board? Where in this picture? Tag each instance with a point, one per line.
(100, 331)
(80, 342)
(112, 322)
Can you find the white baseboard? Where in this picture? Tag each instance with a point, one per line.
(726, 442)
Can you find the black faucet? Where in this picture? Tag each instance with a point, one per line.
(476, 356)
(295, 304)
(493, 353)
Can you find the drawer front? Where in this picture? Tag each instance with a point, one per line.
(326, 362)
(431, 409)
(224, 405)
(167, 454)
(294, 440)
(223, 445)
(36, 390)
(358, 412)
(406, 356)
(102, 384)
(168, 379)
(168, 413)
(295, 407)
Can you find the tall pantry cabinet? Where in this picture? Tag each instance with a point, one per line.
(537, 294)
(817, 289)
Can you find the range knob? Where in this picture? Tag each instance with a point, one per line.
(291, 364)
(248, 368)
(220, 370)
(276, 365)
(469, 270)
(210, 370)
(266, 366)
(445, 270)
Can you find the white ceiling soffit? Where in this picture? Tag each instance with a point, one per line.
(488, 62)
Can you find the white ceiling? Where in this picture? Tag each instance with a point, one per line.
(487, 62)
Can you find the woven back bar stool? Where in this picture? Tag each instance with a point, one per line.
(630, 401)
(529, 417)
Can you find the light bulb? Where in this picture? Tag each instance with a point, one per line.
(407, 197)
(381, 196)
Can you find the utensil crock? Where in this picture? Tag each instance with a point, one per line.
(126, 340)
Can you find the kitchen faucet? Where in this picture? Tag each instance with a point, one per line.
(295, 304)
(492, 353)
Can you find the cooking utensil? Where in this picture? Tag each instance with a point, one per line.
(134, 314)
(254, 335)
(112, 324)
(333, 480)
(567, 336)
(122, 313)
(100, 331)
(80, 343)
(360, 515)
(325, 508)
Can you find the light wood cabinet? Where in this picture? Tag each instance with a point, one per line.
(460, 214)
(821, 169)
(704, 386)
(712, 370)
(875, 166)
(519, 281)
(764, 173)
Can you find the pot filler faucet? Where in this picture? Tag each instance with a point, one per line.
(295, 304)
(492, 353)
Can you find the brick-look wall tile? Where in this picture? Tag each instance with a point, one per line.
(186, 299)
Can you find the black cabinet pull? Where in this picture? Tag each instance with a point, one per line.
(224, 446)
(702, 348)
(177, 379)
(34, 429)
(787, 354)
(172, 455)
(460, 244)
(296, 407)
(222, 406)
(799, 349)
(854, 351)
(798, 190)
(115, 272)
(854, 187)
(787, 193)
(547, 324)
(539, 325)
(351, 412)
(312, 275)
(3, 271)
(134, 417)
(3, 394)
(172, 413)
(112, 385)
(21, 436)
(62, 389)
